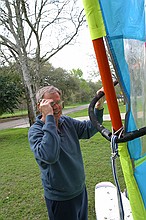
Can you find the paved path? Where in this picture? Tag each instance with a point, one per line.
(24, 121)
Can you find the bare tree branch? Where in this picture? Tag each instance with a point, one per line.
(37, 30)
(6, 42)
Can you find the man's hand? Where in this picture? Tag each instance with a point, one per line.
(46, 108)
(99, 104)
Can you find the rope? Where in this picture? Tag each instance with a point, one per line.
(114, 148)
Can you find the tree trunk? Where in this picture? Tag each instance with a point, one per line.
(29, 90)
(30, 107)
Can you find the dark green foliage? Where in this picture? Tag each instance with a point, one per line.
(74, 87)
(10, 93)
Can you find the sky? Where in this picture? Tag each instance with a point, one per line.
(77, 56)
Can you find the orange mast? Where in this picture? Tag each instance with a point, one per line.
(107, 82)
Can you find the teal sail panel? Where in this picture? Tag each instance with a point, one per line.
(125, 24)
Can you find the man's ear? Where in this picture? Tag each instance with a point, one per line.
(38, 107)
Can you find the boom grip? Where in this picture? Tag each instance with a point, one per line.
(104, 131)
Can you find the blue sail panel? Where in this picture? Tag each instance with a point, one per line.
(125, 24)
(118, 24)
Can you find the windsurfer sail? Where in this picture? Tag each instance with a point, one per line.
(124, 27)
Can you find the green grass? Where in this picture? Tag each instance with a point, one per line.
(84, 112)
(23, 112)
(17, 113)
(21, 189)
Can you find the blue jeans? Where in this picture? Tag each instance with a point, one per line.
(73, 209)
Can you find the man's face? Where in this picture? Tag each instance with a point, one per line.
(56, 104)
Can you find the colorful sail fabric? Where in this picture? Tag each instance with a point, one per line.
(123, 23)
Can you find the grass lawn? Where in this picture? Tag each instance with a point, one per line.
(20, 113)
(17, 113)
(84, 112)
(21, 189)
(81, 113)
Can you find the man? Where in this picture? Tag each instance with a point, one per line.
(54, 140)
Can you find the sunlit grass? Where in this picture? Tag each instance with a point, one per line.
(16, 113)
(81, 113)
(84, 112)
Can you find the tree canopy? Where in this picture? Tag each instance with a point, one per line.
(74, 88)
(10, 91)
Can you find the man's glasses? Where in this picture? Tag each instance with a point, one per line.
(59, 102)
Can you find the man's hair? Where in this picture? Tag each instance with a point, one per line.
(49, 89)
